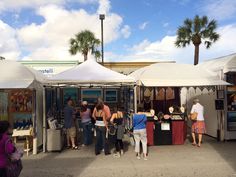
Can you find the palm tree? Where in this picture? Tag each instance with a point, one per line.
(195, 31)
(85, 42)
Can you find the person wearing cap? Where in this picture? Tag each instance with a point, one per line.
(85, 114)
(198, 126)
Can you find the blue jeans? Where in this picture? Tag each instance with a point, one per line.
(101, 140)
(87, 132)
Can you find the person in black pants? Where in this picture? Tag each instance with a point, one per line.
(117, 121)
(101, 125)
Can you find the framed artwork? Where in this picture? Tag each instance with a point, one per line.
(220, 94)
(91, 95)
(21, 101)
(111, 95)
(70, 93)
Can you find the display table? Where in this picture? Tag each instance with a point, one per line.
(166, 132)
(179, 131)
(23, 133)
(163, 133)
(150, 132)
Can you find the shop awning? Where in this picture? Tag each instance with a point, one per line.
(175, 75)
(90, 72)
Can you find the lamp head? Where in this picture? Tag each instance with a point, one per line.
(102, 16)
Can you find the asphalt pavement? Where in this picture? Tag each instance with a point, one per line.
(212, 159)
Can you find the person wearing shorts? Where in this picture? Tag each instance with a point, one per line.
(70, 124)
(198, 126)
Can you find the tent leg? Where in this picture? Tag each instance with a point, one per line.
(44, 121)
(135, 99)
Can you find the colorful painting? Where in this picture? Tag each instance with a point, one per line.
(21, 101)
(91, 95)
(3, 106)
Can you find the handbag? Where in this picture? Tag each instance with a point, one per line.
(193, 116)
(14, 162)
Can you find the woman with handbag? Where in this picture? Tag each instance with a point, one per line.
(6, 147)
(117, 121)
(198, 124)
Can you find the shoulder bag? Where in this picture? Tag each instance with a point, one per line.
(15, 165)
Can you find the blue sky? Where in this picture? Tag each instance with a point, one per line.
(134, 30)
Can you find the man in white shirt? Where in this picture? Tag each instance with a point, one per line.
(198, 126)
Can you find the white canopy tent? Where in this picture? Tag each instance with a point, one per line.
(223, 67)
(86, 74)
(224, 64)
(90, 72)
(14, 75)
(175, 75)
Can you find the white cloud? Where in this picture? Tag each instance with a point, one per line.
(126, 31)
(165, 24)
(143, 25)
(140, 46)
(219, 9)
(87, 1)
(50, 39)
(165, 49)
(18, 5)
(104, 7)
(9, 47)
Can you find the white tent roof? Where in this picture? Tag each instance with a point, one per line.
(90, 72)
(15, 75)
(225, 64)
(173, 74)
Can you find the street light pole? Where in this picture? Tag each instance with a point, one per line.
(102, 17)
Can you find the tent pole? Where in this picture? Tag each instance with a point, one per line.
(135, 99)
(44, 121)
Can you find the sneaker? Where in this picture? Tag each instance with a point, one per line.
(138, 157)
(121, 152)
(145, 158)
(116, 155)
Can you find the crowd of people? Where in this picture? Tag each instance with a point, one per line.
(103, 122)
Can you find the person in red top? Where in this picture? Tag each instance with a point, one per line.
(6, 147)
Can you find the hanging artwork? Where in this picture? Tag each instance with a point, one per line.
(111, 95)
(170, 94)
(160, 94)
(21, 101)
(91, 95)
(3, 106)
(71, 93)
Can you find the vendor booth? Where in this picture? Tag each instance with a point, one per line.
(161, 88)
(225, 69)
(86, 82)
(20, 98)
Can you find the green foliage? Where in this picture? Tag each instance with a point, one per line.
(197, 31)
(85, 42)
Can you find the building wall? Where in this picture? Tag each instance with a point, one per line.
(54, 67)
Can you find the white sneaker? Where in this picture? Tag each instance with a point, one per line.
(138, 157)
(116, 155)
(121, 152)
(145, 158)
